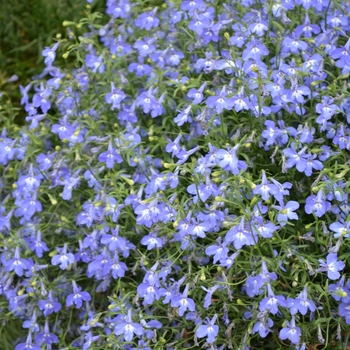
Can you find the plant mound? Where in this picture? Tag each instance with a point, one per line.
(186, 185)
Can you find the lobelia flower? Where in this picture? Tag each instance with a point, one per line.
(46, 337)
(184, 116)
(272, 301)
(265, 189)
(128, 328)
(147, 20)
(89, 339)
(110, 156)
(197, 95)
(332, 266)
(115, 97)
(219, 251)
(37, 245)
(240, 102)
(340, 292)
(63, 258)
(145, 46)
(220, 102)
(17, 264)
(32, 324)
(192, 5)
(317, 204)
(240, 235)
(77, 297)
(209, 295)
(118, 268)
(340, 229)
(28, 345)
(183, 302)
(297, 159)
(290, 332)
(228, 160)
(49, 305)
(50, 54)
(210, 330)
(263, 327)
(286, 212)
(301, 303)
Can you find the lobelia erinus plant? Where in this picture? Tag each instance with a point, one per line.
(185, 186)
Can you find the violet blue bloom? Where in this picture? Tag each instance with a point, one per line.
(272, 301)
(340, 229)
(208, 296)
(263, 327)
(77, 297)
(63, 258)
(197, 95)
(128, 328)
(286, 212)
(115, 97)
(290, 332)
(46, 337)
(183, 302)
(37, 245)
(89, 339)
(49, 305)
(265, 189)
(17, 264)
(317, 204)
(332, 266)
(228, 160)
(240, 235)
(220, 102)
(301, 303)
(50, 54)
(210, 330)
(28, 344)
(339, 291)
(297, 159)
(110, 156)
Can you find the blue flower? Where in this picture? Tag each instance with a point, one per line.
(317, 204)
(332, 266)
(128, 328)
(265, 189)
(147, 20)
(210, 330)
(77, 297)
(63, 258)
(263, 327)
(183, 302)
(89, 339)
(240, 235)
(301, 303)
(49, 305)
(50, 54)
(209, 295)
(290, 332)
(272, 301)
(46, 337)
(28, 345)
(115, 97)
(110, 156)
(228, 160)
(339, 291)
(220, 102)
(286, 212)
(17, 264)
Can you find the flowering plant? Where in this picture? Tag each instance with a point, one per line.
(185, 186)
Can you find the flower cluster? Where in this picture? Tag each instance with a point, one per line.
(186, 183)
